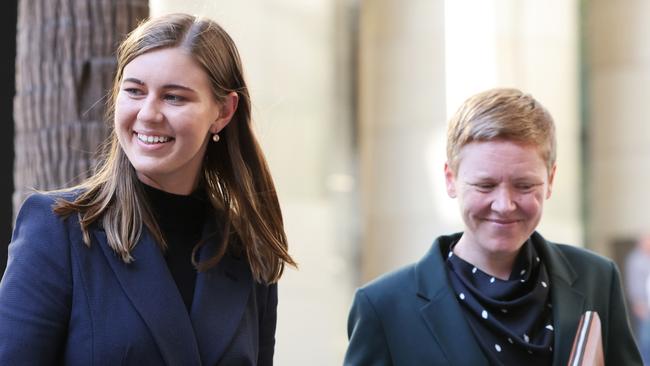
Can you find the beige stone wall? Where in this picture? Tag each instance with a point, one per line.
(618, 120)
(401, 112)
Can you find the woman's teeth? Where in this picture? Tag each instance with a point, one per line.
(152, 139)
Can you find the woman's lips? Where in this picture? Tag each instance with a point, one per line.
(502, 221)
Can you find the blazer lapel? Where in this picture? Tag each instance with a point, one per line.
(568, 303)
(153, 293)
(442, 313)
(220, 300)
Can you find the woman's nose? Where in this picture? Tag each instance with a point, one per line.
(503, 201)
(150, 111)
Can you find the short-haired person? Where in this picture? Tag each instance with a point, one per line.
(169, 253)
(497, 293)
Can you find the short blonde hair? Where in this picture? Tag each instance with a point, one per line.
(501, 114)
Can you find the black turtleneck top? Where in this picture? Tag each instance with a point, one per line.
(181, 220)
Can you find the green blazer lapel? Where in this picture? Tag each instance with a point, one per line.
(442, 313)
(152, 291)
(568, 302)
(220, 298)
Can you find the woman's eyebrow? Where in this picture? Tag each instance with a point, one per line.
(166, 86)
(134, 80)
(178, 86)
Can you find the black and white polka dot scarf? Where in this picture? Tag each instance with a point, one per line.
(512, 320)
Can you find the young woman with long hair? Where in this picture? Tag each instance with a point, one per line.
(169, 253)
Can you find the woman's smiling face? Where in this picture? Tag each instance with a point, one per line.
(501, 187)
(165, 113)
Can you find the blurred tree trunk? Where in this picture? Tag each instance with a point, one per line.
(65, 62)
(8, 20)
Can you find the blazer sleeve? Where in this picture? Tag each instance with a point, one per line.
(619, 346)
(267, 327)
(35, 291)
(368, 345)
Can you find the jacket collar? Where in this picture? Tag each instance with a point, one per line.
(442, 312)
(568, 302)
(220, 297)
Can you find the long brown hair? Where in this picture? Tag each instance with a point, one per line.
(234, 173)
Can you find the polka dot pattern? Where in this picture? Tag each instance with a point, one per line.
(508, 332)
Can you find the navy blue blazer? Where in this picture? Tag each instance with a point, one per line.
(412, 317)
(64, 303)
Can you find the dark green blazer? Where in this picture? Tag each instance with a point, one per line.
(411, 316)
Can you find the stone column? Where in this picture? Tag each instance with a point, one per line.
(401, 96)
(537, 51)
(617, 63)
(532, 46)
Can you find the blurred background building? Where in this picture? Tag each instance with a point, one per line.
(351, 99)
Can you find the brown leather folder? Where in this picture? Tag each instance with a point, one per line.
(587, 347)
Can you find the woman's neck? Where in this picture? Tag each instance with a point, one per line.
(498, 264)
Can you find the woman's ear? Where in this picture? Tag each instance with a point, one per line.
(227, 109)
(450, 179)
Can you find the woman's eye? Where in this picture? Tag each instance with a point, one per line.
(133, 91)
(174, 98)
(526, 187)
(484, 186)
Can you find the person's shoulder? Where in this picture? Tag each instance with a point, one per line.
(43, 201)
(409, 279)
(38, 208)
(37, 203)
(579, 254)
(582, 260)
(39, 232)
(39, 198)
(394, 284)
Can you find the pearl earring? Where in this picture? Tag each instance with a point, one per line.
(215, 137)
